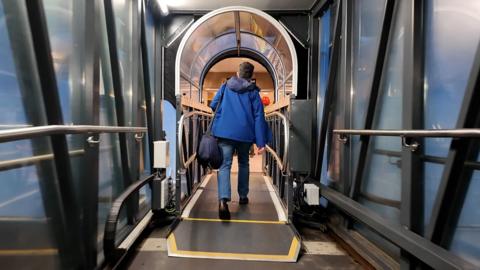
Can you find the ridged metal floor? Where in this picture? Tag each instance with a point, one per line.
(257, 231)
(318, 250)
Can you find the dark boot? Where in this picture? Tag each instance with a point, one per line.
(243, 200)
(223, 211)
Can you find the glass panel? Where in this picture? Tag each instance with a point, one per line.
(169, 125)
(367, 26)
(382, 176)
(433, 175)
(150, 37)
(323, 70)
(26, 166)
(20, 92)
(110, 167)
(222, 43)
(259, 26)
(123, 11)
(466, 239)
(209, 30)
(452, 35)
(26, 222)
(65, 20)
(264, 48)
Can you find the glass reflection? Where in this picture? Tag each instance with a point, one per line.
(123, 11)
(25, 215)
(367, 25)
(466, 238)
(383, 172)
(452, 37)
(66, 31)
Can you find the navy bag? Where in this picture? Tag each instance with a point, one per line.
(209, 154)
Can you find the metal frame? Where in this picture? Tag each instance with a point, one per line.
(185, 163)
(429, 253)
(75, 227)
(459, 164)
(281, 162)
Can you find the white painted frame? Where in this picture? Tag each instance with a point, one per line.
(255, 11)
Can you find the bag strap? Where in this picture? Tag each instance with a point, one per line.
(222, 90)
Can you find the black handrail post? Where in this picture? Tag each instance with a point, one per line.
(72, 254)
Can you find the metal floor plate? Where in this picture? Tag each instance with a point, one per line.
(254, 232)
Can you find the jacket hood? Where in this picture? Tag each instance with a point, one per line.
(240, 85)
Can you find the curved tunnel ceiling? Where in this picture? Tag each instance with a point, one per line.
(235, 28)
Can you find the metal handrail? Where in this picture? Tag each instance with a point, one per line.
(452, 133)
(32, 132)
(276, 157)
(180, 135)
(110, 230)
(281, 163)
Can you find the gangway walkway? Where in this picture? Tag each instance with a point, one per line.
(256, 237)
(257, 231)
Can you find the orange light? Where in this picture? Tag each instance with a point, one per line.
(265, 101)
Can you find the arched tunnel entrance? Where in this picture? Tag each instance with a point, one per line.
(240, 32)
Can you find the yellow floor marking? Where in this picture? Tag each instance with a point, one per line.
(236, 220)
(26, 252)
(291, 256)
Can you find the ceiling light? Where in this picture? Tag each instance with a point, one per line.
(163, 7)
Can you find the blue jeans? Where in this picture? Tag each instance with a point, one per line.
(243, 148)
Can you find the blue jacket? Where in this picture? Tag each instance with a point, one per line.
(240, 116)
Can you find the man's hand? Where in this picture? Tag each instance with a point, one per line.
(260, 150)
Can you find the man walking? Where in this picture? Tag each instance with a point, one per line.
(239, 122)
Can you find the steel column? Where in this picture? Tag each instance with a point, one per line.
(91, 71)
(411, 214)
(147, 86)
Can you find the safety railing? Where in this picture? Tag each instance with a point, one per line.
(408, 134)
(454, 133)
(33, 132)
(185, 163)
(281, 162)
(113, 251)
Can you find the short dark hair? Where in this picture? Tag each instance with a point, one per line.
(245, 70)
